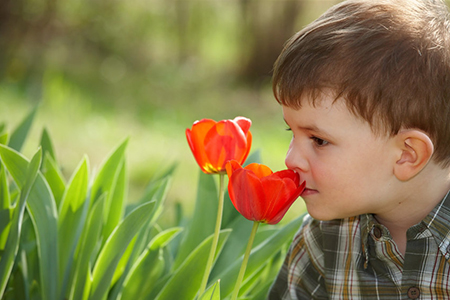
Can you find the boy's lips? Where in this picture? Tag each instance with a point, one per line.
(308, 191)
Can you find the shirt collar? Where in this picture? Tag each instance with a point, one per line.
(437, 221)
(367, 223)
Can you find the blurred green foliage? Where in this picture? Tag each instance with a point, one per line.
(104, 70)
(100, 71)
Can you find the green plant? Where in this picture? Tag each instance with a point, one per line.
(82, 239)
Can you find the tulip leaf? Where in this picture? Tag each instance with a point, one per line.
(262, 289)
(47, 145)
(54, 178)
(186, 280)
(80, 279)
(5, 225)
(114, 248)
(72, 215)
(116, 197)
(5, 197)
(254, 157)
(235, 246)
(109, 181)
(42, 210)
(149, 267)
(4, 138)
(20, 134)
(156, 192)
(260, 254)
(203, 220)
(156, 189)
(109, 169)
(212, 293)
(12, 243)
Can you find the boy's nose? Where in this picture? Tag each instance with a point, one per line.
(295, 159)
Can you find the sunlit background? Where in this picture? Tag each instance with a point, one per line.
(105, 70)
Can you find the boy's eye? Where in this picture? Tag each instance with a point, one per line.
(319, 142)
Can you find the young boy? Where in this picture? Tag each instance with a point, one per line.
(365, 90)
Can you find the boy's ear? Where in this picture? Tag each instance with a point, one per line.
(416, 149)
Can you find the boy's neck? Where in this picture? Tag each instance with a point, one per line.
(420, 195)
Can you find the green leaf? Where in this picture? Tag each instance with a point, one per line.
(203, 220)
(42, 210)
(259, 255)
(137, 246)
(186, 280)
(12, 243)
(16, 164)
(105, 183)
(235, 246)
(5, 197)
(117, 200)
(80, 279)
(262, 290)
(20, 134)
(114, 247)
(5, 204)
(124, 263)
(55, 179)
(148, 268)
(47, 145)
(106, 176)
(213, 293)
(72, 215)
(4, 138)
(5, 225)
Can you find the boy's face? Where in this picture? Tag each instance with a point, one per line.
(347, 168)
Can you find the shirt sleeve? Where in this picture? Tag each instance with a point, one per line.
(300, 277)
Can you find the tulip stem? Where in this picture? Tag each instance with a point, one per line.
(245, 260)
(216, 235)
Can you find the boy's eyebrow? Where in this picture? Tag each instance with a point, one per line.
(309, 127)
(312, 128)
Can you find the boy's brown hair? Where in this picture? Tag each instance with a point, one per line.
(389, 60)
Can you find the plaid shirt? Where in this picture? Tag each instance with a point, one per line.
(355, 258)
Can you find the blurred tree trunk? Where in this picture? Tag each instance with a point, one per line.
(267, 26)
(20, 29)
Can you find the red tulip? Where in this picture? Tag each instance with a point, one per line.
(214, 143)
(261, 195)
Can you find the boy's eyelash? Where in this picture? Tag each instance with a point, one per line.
(288, 129)
(318, 141)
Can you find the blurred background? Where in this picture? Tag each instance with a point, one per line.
(100, 71)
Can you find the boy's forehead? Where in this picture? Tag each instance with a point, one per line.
(317, 98)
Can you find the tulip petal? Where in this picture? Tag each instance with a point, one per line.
(232, 166)
(288, 174)
(287, 204)
(247, 148)
(260, 170)
(225, 141)
(195, 138)
(246, 194)
(277, 195)
(244, 123)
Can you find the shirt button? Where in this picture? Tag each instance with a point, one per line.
(377, 232)
(413, 292)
